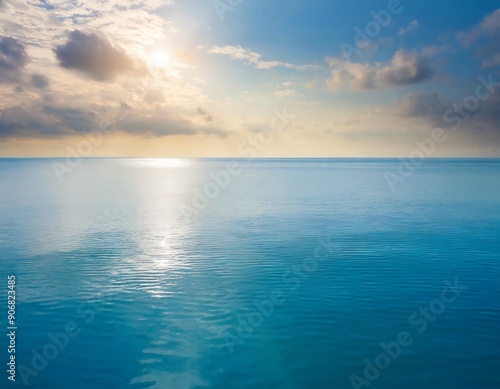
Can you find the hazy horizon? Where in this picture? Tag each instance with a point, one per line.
(264, 158)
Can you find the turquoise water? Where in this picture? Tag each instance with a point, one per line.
(290, 276)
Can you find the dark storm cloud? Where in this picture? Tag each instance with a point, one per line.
(13, 59)
(97, 57)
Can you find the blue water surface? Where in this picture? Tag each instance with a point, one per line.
(293, 274)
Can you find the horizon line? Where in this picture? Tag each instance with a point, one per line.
(260, 158)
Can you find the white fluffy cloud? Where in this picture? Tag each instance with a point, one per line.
(404, 68)
(285, 93)
(489, 25)
(484, 38)
(412, 27)
(252, 58)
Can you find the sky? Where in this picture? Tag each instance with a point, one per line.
(249, 78)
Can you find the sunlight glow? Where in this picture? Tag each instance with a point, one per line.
(161, 162)
(159, 59)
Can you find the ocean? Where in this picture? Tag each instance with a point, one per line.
(250, 274)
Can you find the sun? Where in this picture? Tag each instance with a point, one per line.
(159, 59)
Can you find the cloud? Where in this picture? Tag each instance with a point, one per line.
(44, 121)
(4, 4)
(485, 37)
(208, 117)
(403, 69)
(416, 115)
(97, 57)
(478, 125)
(490, 54)
(412, 27)
(356, 75)
(489, 25)
(39, 81)
(13, 59)
(53, 103)
(428, 105)
(161, 123)
(39, 121)
(487, 118)
(76, 119)
(253, 58)
(18, 122)
(434, 50)
(285, 93)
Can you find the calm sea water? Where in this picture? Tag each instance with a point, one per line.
(128, 277)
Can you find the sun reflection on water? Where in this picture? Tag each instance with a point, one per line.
(160, 162)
